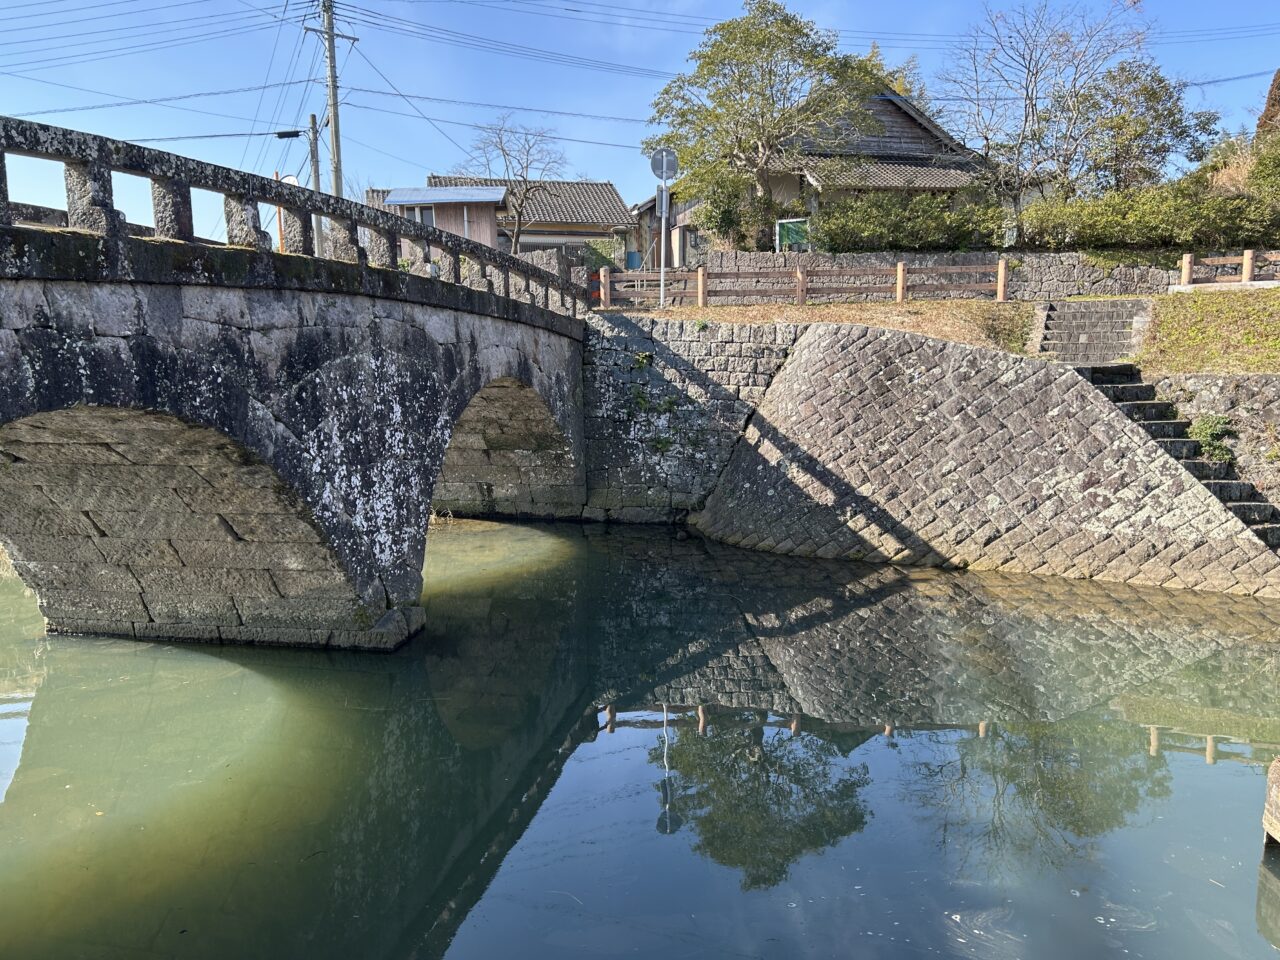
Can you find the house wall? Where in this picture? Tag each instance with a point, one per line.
(480, 223)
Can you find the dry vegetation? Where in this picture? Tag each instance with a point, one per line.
(1003, 326)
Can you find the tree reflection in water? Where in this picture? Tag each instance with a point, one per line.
(758, 797)
(1044, 791)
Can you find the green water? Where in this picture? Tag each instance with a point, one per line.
(619, 743)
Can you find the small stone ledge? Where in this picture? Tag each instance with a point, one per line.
(33, 253)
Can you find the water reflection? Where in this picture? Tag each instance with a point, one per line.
(618, 740)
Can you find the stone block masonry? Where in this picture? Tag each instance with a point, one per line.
(880, 445)
(665, 403)
(1252, 403)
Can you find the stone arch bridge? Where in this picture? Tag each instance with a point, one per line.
(214, 441)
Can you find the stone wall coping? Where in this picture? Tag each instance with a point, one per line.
(90, 160)
(33, 253)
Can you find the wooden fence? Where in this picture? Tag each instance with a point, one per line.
(1254, 265)
(704, 286)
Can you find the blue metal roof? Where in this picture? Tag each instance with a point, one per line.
(421, 196)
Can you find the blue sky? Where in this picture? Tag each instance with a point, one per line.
(458, 50)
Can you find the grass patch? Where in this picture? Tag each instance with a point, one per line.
(1236, 331)
(1211, 429)
(982, 323)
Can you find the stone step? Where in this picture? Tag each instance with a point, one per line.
(1091, 359)
(1112, 373)
(1167, 429)
(1107, 339)
(1180, 449)
(1232, 491)
(1088, 306)
(1073, 321)
(1255, 512)
(1207, 469)
(1127, 392)
(1147, 410)
(1268, 533)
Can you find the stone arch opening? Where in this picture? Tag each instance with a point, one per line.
(134, 523)
(508, 457)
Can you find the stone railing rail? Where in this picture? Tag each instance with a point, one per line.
(89, 160)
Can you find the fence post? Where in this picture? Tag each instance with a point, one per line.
(1002, 280)
(606, 294)
(1188, 263)
(702, 285)
(1246, 267)
(900, 292)
(802, 286)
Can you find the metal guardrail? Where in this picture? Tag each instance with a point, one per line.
(355, 232)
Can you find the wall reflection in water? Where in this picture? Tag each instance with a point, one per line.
(654, 720)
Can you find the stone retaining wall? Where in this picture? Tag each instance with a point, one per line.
(888, 446)
(1252, 402)
(665, 402)
(876, 444)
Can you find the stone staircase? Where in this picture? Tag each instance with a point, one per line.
(1122, 383)
(1088, 332)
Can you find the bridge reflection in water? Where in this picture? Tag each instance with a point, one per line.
(963, 729)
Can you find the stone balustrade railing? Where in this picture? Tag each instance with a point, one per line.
(354, 233)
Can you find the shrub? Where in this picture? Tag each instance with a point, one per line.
(1184, 215)
(896, 221)
(1210, 429)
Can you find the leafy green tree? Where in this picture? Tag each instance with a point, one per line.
(1137, 122)
(765, 88)
(759, 800)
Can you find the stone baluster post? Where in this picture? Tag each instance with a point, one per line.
(450, 266)
(344, 242)
(384, 249)
(299, 232)
(506, 280)
(171, 209)
(90, 205)
(5, 219)
(419, 257)
(244, 226)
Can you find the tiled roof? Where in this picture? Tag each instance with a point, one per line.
(557, 201)
(841, 173)
(401, 196)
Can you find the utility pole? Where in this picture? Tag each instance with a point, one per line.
(335, 140)
(313, 139)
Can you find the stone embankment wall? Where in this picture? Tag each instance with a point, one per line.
(1252, 403)
(881, 445)
(1033, 275)
(665, 402)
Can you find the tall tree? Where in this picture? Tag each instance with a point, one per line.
(1135, 121)
(764, 88)
(1269, 119)
(526, 157)
(1021, 82)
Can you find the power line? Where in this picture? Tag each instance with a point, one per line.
(161, 101)
(488, 127)
(49, 63)
(289, 135)
(433, 123)
(495, 106)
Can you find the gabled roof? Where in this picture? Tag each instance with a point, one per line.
(557, 201)
(851, 173)
(402, 196)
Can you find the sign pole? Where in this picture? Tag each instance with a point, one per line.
(663, 163)
(662, 250)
